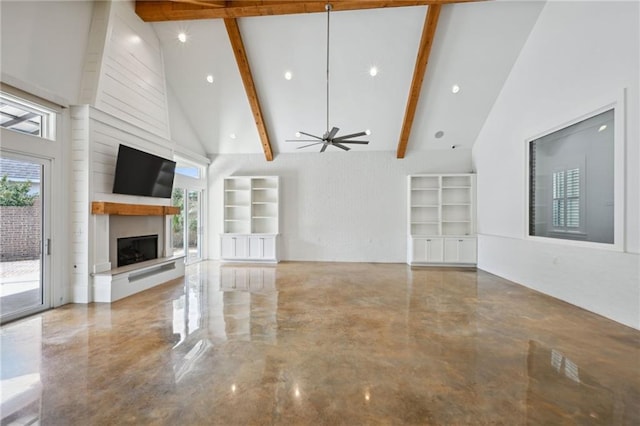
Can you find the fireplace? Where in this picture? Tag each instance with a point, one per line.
(137, 249)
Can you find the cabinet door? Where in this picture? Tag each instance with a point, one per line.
(427, 250)
(227, 247)
(460, 250)
(467, 250)
(263, 247)
(233, 247)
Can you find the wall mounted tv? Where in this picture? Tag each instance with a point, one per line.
(141, 173)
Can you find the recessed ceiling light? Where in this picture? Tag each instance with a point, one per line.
(298, 134)
(439, 134)
(368, 132)
(373, 71)
(602, 128)
(455, 88)
(182, 37)
(210, 78)
(232, 135)
(288, 75)
(135, 39)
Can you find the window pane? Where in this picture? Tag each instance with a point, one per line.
(25, 117)
(573, 213)
(571, 174)
(558, 213)
(573, 183)
(558, 185)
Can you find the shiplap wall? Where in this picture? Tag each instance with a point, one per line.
(106, 133)
(95, 137)
(124, 73)
(80, 204)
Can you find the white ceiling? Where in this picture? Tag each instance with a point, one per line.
(475, 47)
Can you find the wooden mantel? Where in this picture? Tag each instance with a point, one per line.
(121, 209)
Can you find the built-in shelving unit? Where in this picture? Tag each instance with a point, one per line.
(251, 218)
(441, 219)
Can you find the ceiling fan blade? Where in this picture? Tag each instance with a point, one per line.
(332, 133)
(303, 140)
(358, 142)
(353, 135)
(346, 148)
(307, 146)
(310, 135)
(324, 146)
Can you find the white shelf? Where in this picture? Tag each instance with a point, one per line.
(441, 219)
(251, 208)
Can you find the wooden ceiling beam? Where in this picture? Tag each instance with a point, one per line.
(154, 11)
(247, 79)
(206, 3)
(426, 42)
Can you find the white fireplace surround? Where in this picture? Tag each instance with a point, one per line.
(134, 226)
(111, 283)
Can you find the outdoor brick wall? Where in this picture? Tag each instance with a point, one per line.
(20, 232)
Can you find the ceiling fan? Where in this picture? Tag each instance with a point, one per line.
(329, 137)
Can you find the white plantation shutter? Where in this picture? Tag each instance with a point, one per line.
(573, 198)
(566, 199)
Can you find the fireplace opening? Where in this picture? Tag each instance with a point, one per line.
(137, 249)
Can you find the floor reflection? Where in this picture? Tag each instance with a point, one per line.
(233, 304)
(21, 386)
(559, 392)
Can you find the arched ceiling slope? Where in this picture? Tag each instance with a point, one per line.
(474, 47)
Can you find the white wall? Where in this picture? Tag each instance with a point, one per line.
(181, 127)
(336, 206)
(43, 45)
(579, 57)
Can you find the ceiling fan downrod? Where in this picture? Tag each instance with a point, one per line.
(329, 137)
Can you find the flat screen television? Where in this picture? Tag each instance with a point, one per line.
(141, 173)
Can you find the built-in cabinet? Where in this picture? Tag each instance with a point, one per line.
(251, 219)
(441, 219)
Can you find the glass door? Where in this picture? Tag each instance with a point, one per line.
(187, 227)
(24, 246)
(193, 228)
(177, 223)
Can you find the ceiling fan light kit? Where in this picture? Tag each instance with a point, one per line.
(329, 137)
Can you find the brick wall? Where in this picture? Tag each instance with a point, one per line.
(20, 232)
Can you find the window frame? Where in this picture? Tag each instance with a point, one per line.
(48, 116)
(612, 102)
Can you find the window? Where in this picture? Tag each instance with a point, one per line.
(566, 200)
(186, 168)
(25, 117)
(571, 181)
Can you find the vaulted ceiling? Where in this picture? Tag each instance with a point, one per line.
(247, 46)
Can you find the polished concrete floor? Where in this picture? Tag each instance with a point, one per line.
(322, 343)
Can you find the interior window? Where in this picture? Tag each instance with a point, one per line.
(571, 177)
